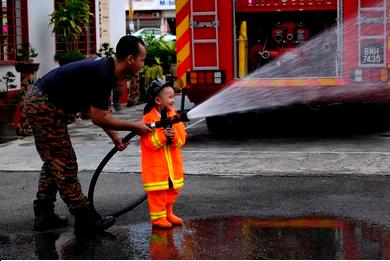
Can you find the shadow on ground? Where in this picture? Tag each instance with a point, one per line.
(303, 120)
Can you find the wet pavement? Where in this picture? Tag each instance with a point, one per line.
(341, 217)
(237, 238)
(245, 197)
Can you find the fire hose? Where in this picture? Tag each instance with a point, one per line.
(163, 123)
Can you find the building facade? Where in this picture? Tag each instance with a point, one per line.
(27, 21)
(151, 13)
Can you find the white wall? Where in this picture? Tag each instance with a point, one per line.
(41, 36)
(117, 21)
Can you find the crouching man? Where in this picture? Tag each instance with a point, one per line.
(75, 87)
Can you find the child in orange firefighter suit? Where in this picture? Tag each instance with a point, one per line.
(162, 164)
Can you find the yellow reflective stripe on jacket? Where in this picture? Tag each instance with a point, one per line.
(169, 162)
(179, 143)
(156, 215)
(155, 140)
(156, 186)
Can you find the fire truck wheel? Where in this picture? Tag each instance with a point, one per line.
(218, 123)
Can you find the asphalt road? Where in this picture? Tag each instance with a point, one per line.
(273, 195)
(215, 208)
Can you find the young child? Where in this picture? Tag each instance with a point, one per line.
(162, 163)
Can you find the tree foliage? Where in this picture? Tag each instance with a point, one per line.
(69, 20)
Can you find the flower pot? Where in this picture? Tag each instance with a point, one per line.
(7, 113)
(26, 67)
(173, 69)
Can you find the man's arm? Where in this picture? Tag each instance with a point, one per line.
(116, 139)
(104, 119)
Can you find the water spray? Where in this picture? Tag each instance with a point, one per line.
(317, 71)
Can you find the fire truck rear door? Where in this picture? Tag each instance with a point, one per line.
(204, 33)
(372, 33)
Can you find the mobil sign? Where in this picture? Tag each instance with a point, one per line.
(166, 4)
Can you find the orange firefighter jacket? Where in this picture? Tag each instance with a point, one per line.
(161, 161)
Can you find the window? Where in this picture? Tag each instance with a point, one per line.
(87, 40)
(13, 28)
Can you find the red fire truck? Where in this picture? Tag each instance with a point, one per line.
(340, 43)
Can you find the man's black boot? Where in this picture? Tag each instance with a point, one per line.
(45, 218)
(87, 220)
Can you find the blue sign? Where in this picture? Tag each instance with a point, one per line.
(167, 4)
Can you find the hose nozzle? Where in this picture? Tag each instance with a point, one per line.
(169, 121)
(183, 117)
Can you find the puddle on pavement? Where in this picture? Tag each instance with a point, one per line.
(219, 238)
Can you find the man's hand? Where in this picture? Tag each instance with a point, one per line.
(141, 128)
(119, 144)
(117, 139)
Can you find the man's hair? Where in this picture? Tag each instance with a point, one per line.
(128, 45)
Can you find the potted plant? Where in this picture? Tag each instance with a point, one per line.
(105, 51)
(152, 72)
(26, 53)
(169, 49)
(27, 68)
(68, 22)
(7, 80)
(25, 59)
(153, 66)
(148, 73)
(8, 102)
(64, 57)
(25, 65)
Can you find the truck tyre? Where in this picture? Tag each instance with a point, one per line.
(218, 123)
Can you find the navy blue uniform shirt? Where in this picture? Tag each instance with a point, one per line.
(78, 85)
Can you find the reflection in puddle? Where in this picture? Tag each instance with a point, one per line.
(227, 238)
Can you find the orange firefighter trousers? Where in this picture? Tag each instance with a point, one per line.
(158, 201)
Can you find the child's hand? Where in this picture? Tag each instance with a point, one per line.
(169, 133)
